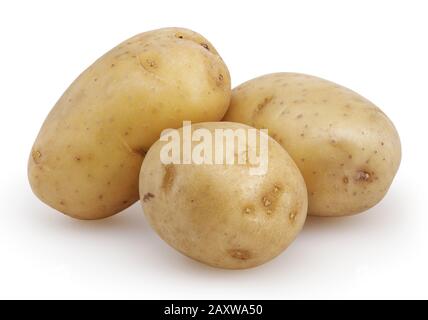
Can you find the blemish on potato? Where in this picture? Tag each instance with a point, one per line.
(205, 46)
(240, 254)
(148, 196)
(248, 210)
(36, 155)
(62, 202)
(263, 104)
(266, 202)
(168, 178)
(299, 116)
(363, 176)
(292, 215)
(100, 197)
(345, 180)
(151, 63)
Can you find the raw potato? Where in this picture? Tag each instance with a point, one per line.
(220, 214)
(346, 148)
(87, 157)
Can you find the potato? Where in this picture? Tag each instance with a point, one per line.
(223, 215)
(86, 159)
(346, 148)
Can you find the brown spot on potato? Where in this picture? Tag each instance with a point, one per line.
(292, 215)
(36, 155)
(100, 196)
(270, 198)
(345, 180)
(62, 202)
(151, 63)
(240, 254)
(363, 176)
(266, 202)
(264, 103)
(248, 209)
(205, 46)
(148, 196)
(299, 116)
(77, 158)
(168, 178)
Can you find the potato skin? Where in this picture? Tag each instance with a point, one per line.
(346, 148)
(220, 214)
(86, 159)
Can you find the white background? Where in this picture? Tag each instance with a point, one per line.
(377, 48)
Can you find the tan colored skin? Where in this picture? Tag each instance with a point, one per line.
(86, 159)
(346, 148)
(220, 214)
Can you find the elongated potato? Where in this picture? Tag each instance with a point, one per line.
(346, 148)
(221, 214)
(86, 159)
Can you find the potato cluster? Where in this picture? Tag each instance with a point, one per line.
(331, 152)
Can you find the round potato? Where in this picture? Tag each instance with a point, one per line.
(223, 214)
(86, 159)
(346, 148)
